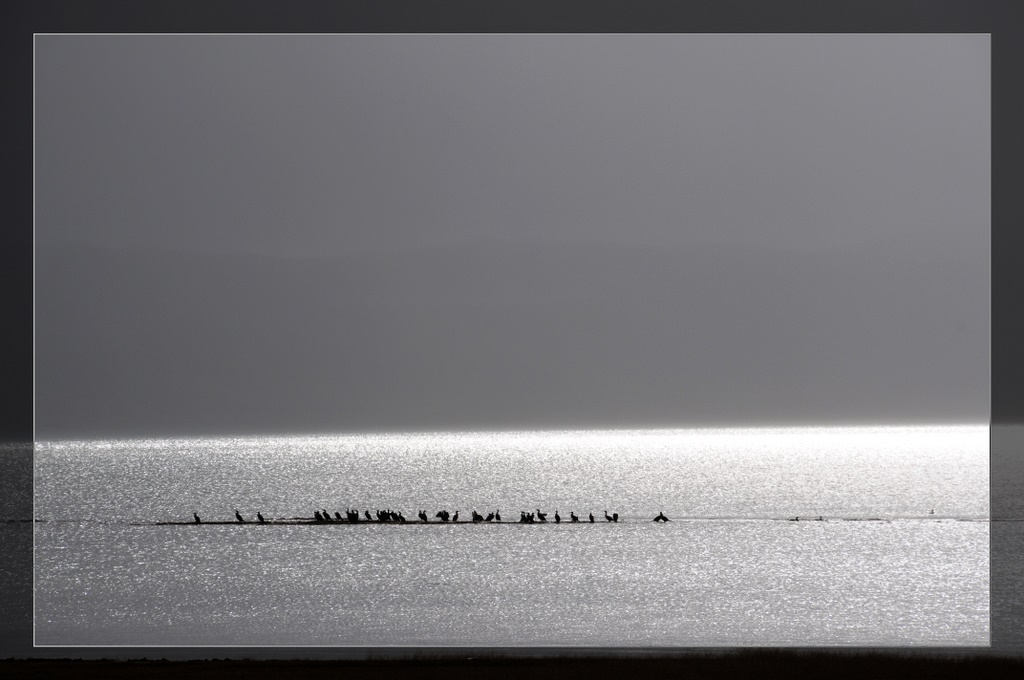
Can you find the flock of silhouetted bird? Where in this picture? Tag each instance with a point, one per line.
(389, 516)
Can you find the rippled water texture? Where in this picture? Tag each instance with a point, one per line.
(730, 569)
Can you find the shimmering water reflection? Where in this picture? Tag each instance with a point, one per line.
(912, 578)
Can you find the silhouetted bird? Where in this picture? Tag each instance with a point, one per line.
(455, 517)
(497, 515)
(573, 517)
(606, 517)
(337, 515)
(198, 521)
(239, 517)
(423, 516)
(558, 520)
(615, 517)
(661, 518)
(541, 516)
(260, 518)
(591, 518)
(368, 517)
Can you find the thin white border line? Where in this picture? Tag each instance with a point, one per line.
(991, 174)
(359, 646)
(468, 645)
(641, 34)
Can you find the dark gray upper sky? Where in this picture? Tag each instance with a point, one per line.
(397, 232)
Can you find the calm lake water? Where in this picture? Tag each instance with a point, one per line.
(730, 569)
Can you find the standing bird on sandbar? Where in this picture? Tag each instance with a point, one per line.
(573, 517)
(198, 521)
(541, 516)
(606, 517)
(558, 519)
(455, 517)
(238, 516)
(337, 516)
(497, 515)
(260, 518)
(423, 517)
(591, 518)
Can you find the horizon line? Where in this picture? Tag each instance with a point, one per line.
(541, 431)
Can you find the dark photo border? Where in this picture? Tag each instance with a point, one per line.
(20, 19)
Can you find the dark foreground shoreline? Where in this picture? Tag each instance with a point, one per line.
(761, 664)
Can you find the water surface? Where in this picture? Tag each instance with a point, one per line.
(880, 568)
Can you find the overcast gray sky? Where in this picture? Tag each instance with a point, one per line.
(359, 232)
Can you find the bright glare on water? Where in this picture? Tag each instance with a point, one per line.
(730, 569)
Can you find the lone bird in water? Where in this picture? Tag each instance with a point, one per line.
(661, 518)
(198, 521)
(260, 518)
(238, 516)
